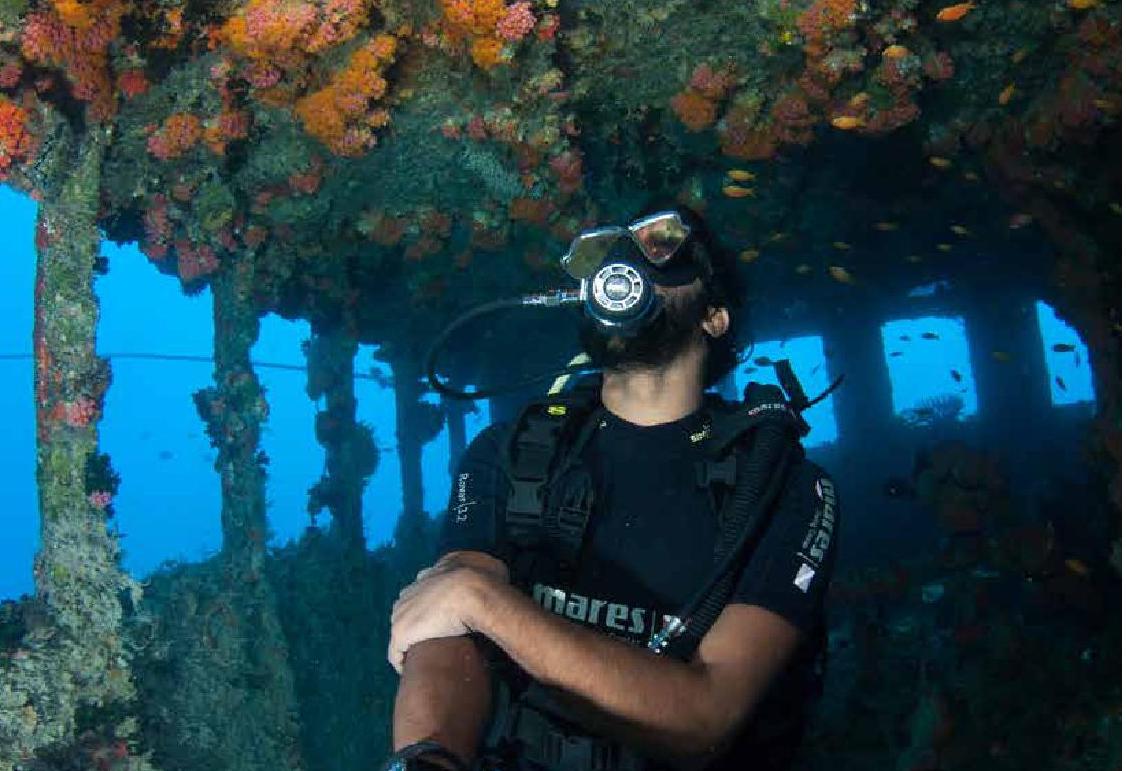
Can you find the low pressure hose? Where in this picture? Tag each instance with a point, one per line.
(766, 471)
(549, 300)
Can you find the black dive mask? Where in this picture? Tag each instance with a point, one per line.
(618, 268)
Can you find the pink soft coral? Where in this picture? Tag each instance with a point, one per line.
(517, 22)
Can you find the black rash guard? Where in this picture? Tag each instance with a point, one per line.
(650, 545)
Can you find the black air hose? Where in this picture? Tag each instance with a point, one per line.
(761, 482)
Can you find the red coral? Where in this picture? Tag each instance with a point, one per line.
(712, 83)
(17, 143)
(939, 66)
(132, 83)
(568, 168)
(695, 110)
(791, 119)
(10, 74)
(194, 262)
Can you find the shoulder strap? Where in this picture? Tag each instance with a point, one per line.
(752, 448)
(545, 441)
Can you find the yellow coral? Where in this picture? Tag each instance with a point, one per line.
(74, 14)
(486, 52)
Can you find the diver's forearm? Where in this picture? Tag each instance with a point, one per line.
(445, 695)
(652, 702)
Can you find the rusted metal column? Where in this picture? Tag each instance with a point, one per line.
(350, 451)
(233, 411)
(71, 656)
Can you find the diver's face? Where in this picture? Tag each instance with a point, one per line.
(677, 327)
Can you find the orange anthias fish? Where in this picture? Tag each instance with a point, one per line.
(735, 191)
(1006, 96)
(954, 12)
(897, 52)
(741, 175)
(939, 162)
(840, 274)
(847, 122)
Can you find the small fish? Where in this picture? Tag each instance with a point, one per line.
(886, 227)
(859, 100)
(1019, 220)
(841, 274)
(736, 191)
(914, 259)
(971, 176)
(841, 245)
(1019, 56)
(803, 269)
(960, 230)
(847, 122)
(1105, 105)
(956, 375)
(896, 353)
(929, 336)
(1082, 5)
(776, 236)
(939, 162)
(954, 12)
(1060, 383)
(945, 247)
(896, 52)
(749, 255)
(1077, 566)
(741, 175)
(762, 361)
(1002, 356)
(905, 338)
(1006, 95)
(1063, 347)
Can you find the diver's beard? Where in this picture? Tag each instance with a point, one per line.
(655, 347)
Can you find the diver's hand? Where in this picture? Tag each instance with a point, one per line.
(443, 601)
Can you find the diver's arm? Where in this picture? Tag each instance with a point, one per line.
(686, 712)
(445, 695)
(445, 692)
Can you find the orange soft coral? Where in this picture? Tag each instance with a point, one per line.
(284, 35)
(481, 22)
(179, 134)
(342, 115)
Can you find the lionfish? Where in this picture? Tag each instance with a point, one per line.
(934, 411)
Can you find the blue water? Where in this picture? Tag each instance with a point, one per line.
(169, 497)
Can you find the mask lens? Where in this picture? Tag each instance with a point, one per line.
(660, 235)
(588, 250)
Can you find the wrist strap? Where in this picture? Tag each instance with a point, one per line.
(428, 747)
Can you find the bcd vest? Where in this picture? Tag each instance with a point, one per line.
(750, 449)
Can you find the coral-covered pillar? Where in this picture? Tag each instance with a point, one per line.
(854, 347)
(350, 452)
(233, 411)
(409, 432)
(455, 420)
(74, 658)
(1007, 356)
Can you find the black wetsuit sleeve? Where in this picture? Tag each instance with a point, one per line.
(477, 498)
(790, 570)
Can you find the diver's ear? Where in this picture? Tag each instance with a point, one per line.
(716, 321)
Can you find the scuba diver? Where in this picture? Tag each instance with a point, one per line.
(632, 573)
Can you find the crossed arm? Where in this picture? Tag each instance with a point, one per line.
(687, 711)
